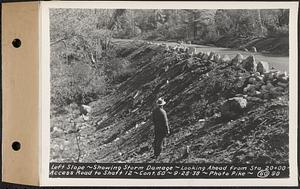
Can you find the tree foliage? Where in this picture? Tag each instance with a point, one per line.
(177, 24)
(251, 23)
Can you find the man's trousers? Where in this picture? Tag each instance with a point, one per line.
(158, 144)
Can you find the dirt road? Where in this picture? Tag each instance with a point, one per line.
(278, 62)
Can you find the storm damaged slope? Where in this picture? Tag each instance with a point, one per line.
(205, 95)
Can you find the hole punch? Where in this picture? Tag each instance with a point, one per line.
(16, 43)
(16, 146)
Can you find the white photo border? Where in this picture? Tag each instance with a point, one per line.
(44, 89)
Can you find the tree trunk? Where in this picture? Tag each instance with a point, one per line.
(261, 31)
(114, 19)
(194, 26)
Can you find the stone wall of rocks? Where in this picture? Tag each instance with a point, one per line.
(263, 84)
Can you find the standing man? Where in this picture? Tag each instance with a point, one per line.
(161, 126)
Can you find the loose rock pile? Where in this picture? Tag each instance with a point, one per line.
(263, 83)
(197, 86)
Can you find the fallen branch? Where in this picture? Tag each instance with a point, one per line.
(60, 40)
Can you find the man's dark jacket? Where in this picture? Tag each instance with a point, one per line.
(161, 125)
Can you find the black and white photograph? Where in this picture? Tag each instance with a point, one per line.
(170, 86)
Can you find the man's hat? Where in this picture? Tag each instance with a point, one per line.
(160, 102)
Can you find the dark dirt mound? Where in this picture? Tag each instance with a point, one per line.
(195, 89)
(273, 45)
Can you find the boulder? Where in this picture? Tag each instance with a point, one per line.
(225, 58)
(237, 59)
(284, 85)
(253, 49)
(205, 56)
(199, 54)
(241, 48)
(244, 49)
(249, 64)
(191, 50)
(57, 132)
(277, 74)
(166, 49)
(257, 92)
(252, 80)
(217, 58)
(182, 49)
(282, 77)
(255, 79)
(276, 91)
(233, 107)
(267, 89)
(262, 67)
(174, 48)
(166, 68)
(260, 78)
(85, 109)
(142, 149)
(211, 56)
(269, 77)
(249, 88)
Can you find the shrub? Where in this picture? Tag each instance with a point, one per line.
(118, 70)
(153, 35)
(278, 31)
(77, 82)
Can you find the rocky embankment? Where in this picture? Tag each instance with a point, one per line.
(272, 45)
(220, 110)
